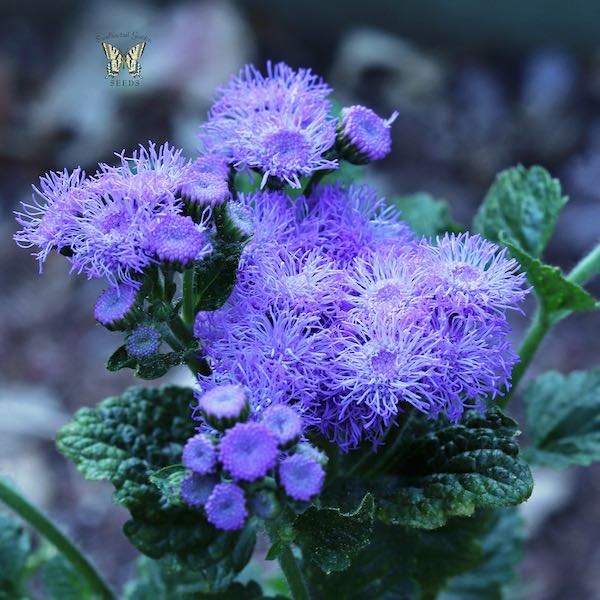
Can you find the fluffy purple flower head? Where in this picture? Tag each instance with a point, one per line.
(284, 422)
(301, 477)
(48, 222)
(248, 451)
(196, 489)
(226, 507)
(281, 356)
(268, 216)
(115, 304)
(306, 281)
(143, 342)
(344, 222)
(177, 240)
(251, 91)
(110, 238)
(278, 124)
(199, 454)
(149, 176)
(380, 367)
(478, 358)
(386, 284)
(364, 136)
(473, 275)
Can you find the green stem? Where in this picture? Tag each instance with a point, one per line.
(586, 268)
(291, 569)
(538, 329)
(47, 529)
(390, 453)
(188, 309)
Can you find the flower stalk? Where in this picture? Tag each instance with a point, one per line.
(48, 530)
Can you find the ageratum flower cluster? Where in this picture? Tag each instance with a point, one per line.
(340, 321)
(339, 310)
(116, 223)
(242, 467)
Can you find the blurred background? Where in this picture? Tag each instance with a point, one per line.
(479, 86)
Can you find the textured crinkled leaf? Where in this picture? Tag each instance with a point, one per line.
(563, 418)
(149, 424)
(523, 205)
(331, 538)
(405, 564)
(425, 215)
(126, 439)
(15, 545)
(442, 470)
(446, 470)
(558, 295)
(501, 552)
(63, 582)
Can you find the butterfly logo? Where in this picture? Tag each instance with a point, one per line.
(116, 58)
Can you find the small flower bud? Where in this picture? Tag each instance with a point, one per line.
(363, 136)
(284, 422)
(224, 405)
(143, 342)
(116, 307)
(226, 507)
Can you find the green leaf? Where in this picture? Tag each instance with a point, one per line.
(126, 439)
(558, 296)
(152, 367)
(442, 470)
(563, 418)
(331, 538)
(405, 564)
(501, 552)
(15, 545)
(452, 470)
(522, 205)
(216, 275)
(168, 481)
(63, 582)
(424, 214)
(120, 359)
(160, 364)
(164, 580)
